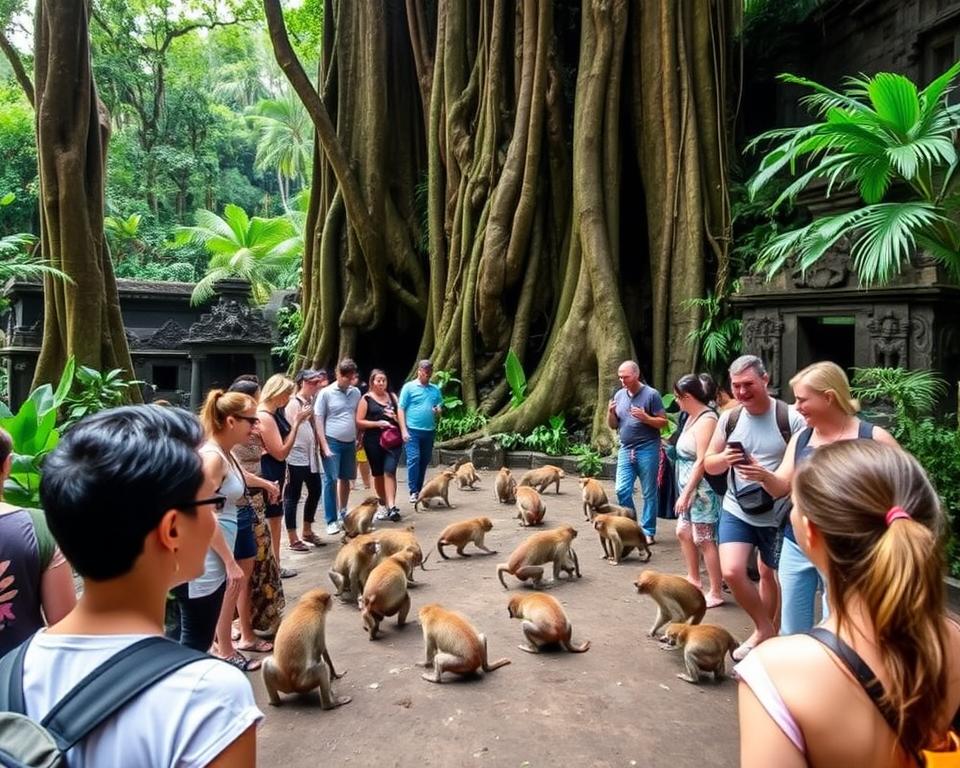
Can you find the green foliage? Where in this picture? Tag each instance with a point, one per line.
(589, 462)
(878, 134)
(285, 144)
(462, 421)
(18, 160)
(912, 394)
(93, 392)
(449, 388)
(551, 438)
(289, 326)
(516, 378)
(718, 336)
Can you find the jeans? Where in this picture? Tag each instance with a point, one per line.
(799, 581)
(340, 465)
(300, 476)
(642, 462)
(198, 616)
(419, 453)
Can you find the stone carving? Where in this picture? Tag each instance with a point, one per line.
(761, 337)
(25, 335)
(231, 321)
(888, 340)
(830, 271)
(133, 341)
(170, 335)
(921, 338)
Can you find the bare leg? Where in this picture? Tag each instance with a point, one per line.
(733, 562)
(363, 468)
(243, 603)
(381, 492)
(274, 524)
(711, 559)
(691, 557)
(225, 647)
(390, 490)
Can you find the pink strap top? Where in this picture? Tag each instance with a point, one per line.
(753, 674)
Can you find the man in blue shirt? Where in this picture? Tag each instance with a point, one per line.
(636, 411)
(420, 404)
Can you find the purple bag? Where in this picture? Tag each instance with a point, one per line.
(390, 438)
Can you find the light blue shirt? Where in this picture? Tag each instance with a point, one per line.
(417, 402)
(336, 412)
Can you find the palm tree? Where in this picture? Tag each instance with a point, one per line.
(265, 252)
(286, 141)
(881, 134)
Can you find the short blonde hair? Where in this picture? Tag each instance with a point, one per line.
(828, 377)
(276, 386)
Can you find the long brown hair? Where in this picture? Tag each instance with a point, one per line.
(220, 404)
(846, 490)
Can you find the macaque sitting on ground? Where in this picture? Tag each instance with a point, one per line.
(452, 644)
(677, 599)
(544, 622)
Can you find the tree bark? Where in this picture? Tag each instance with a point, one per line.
(82, 317)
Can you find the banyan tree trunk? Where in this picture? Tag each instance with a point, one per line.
(81, 317)
(567, 160)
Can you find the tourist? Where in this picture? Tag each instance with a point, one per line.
(363, 465)
(377, 418)
(278, 437)
(637, 412)
(697, 506)
(756, 432)
(869, 520)
(335, 410)
(822, 395)
(421, 404)
(261, 599)
(36, 583)
(135, 473)
(303, 463)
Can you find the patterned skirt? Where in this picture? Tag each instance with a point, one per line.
(266, 589)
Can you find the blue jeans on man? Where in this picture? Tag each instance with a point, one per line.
(643, 462)
(419, 452)
(340, 465)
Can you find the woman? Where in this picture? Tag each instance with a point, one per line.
(278, 437)
(697, 507)
(228, 419)
(867, 517)
(303, 464)
(822, 395)
(36, 583)
(376, 412)
(263, 601)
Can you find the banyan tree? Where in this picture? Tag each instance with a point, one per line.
(492, 175)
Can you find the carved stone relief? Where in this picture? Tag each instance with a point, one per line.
(762, 335)
(231, 321)
(889, 330)
(831, 270)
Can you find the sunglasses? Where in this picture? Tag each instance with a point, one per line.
(251, 420)
(219, 501)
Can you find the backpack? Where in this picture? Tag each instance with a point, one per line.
(25, 743)
(718, 483)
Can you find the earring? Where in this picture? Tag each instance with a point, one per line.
(176, 561)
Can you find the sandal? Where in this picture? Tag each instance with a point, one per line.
(314, 539)
(299, 546)
(287, 573)
(257, 646)
(242, 663)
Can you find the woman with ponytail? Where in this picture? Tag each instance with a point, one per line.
(868, 518)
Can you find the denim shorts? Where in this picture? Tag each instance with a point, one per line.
(767, 539)
(246, 544)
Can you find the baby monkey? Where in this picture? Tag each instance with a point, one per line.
(544, 622)
(705, 647)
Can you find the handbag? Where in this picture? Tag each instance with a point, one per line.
(390, 438)
(753, 500)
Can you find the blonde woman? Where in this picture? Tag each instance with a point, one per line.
(278, 437)
(822, 395)
(867, 517)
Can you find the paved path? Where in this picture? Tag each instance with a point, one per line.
(619, 704)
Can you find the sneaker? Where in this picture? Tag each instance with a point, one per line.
(413, 498)
(333, 529)
(382, 513)
(287, 573)
(393, 515)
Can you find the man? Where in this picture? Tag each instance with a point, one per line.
(335, 413)
(303, 463)
(761, 430)
(636, 411)
(421, 403)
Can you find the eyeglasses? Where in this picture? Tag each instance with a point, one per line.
(251, 420)
(219, 501)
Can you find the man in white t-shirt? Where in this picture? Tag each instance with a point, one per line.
(130, 506)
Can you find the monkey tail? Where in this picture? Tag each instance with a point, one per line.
(577, 648)
(501, 569)
(487, 666)
(424, 561)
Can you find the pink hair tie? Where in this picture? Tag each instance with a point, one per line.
(896, 513)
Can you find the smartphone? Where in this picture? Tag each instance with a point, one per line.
(738, 446)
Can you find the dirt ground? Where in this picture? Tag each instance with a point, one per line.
(619, 704)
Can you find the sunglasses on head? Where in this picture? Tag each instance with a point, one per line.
(219, 501)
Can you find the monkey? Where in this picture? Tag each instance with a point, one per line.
(544, 622)
(300, 661)
(543, 477)
(593, 496)
(530, 507)
(452, 644)
(393, 541)
(623, 535)
(614, 510)
(352, 565)
(506, 487)
(549, 546)
(460, 534)
(705, 647)
(385, 593)
(360, 519)
(437, 487)
(467, 476)
(677, 599)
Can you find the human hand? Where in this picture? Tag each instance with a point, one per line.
(303, 414)
(682, 504)
(733, 456)
(639, 413)
(752, 471)
(405, 435)
(384, 424)
(273, 492)
(234, 576)
(327, 453)
(612, 406)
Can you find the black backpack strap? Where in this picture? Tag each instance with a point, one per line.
(732, 421)
(113, 684)
(11, 680)
(802, 442)
(783, 420)
(858, 668)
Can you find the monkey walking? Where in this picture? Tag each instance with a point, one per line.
(300, 661)
(677, 599)
(352, 565)
(705, 648)
(386, 592)
(530, 506)
(360, 519)
(438, 487)
(623, 536)
(544, 623)
(548, 546)
(452, 644)
(505, 487)
(460, 534)
(593, 496)
(467, 476)
(543, 477)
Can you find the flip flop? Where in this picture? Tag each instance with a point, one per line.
(715, 602)
(299, 546)
(257, 646)
(315, 540)
(242, 663)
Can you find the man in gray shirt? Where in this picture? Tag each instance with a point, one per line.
(335, 410)
(761, 431)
